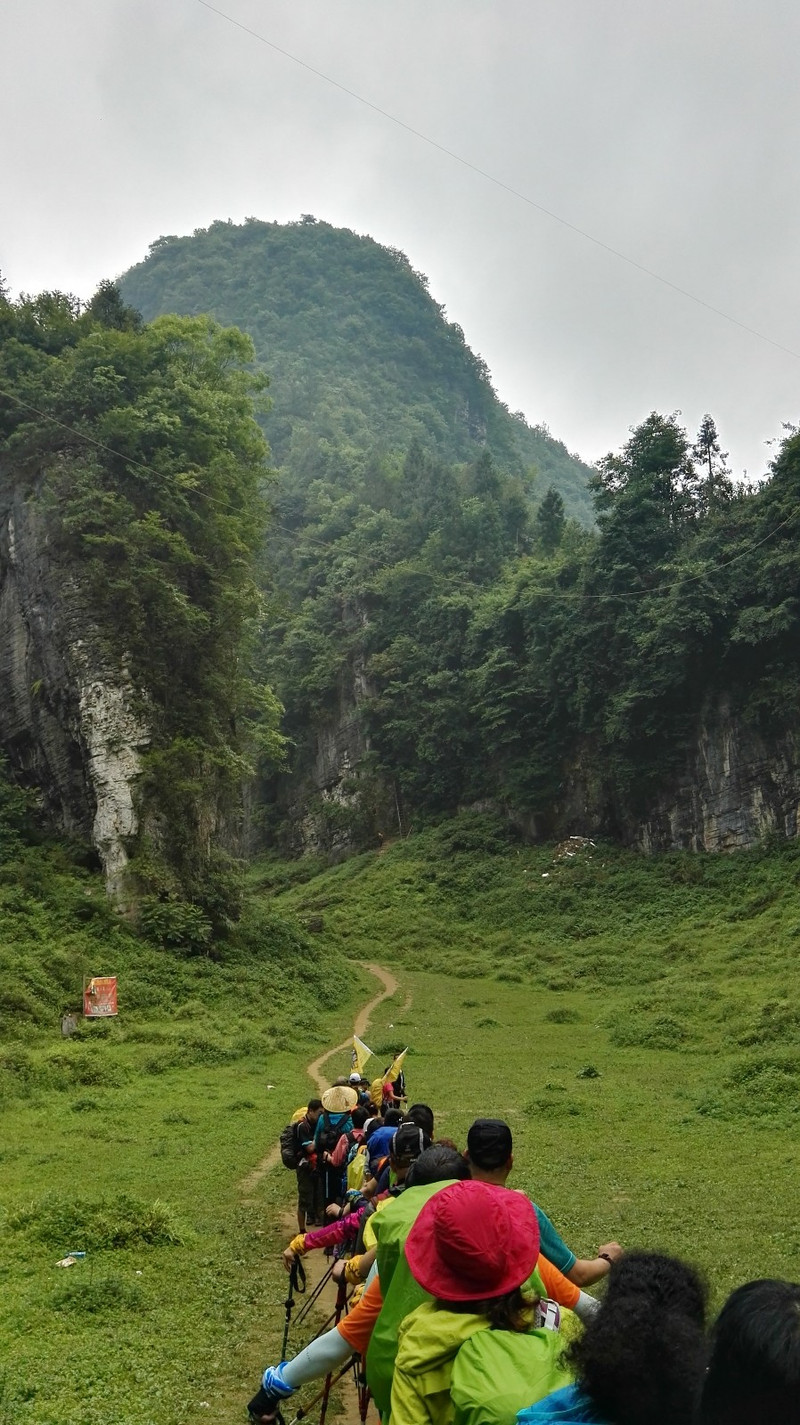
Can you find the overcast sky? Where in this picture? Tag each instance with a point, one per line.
(668, 131)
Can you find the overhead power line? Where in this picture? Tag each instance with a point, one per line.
(109, 450)
(498, 182)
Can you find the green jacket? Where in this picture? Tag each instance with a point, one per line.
(429, 1340)
(498, 1373)
(401, 1293)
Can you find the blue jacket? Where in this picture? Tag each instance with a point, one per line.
(379, 1144)
(564, 1407)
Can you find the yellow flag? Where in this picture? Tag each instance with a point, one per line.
(360, 1054)
(393, 1071)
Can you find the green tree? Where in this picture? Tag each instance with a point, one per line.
(151, 477)
(550, 520)
(716, 486)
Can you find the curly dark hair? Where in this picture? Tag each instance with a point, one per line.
(754, 1368)
(642, 1357)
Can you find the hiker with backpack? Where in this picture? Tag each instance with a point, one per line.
(409, 1142)
(474, 1249)
(335, 1119)
(297, 1153)
(438, 1165)
(349, 1142)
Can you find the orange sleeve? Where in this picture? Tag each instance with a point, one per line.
(557, 1286)
(358, 1324)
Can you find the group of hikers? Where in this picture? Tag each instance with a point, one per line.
(468, 1308)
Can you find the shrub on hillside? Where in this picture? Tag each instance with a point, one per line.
(174, 924)
(778, 1022)
(87, 1065)
(760, 1086)
(562, 1015)
(82, 1224)
(643, 1031)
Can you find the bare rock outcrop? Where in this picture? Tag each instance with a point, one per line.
(71, 722)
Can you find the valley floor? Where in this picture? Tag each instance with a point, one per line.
(610, 1140)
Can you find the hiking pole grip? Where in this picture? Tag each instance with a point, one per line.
(264, 1403)
(297, 1283)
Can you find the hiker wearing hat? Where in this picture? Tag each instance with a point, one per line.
(473, 1248)
(408, 1143)
(402, 1292)
(436, 1168)
(490, 1157)
(338, 1103)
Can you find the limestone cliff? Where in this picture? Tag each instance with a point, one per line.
(734, 788)
(70, 722)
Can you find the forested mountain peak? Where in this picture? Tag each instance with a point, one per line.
(360, 356)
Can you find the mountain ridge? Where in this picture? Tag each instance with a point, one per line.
(359, 354)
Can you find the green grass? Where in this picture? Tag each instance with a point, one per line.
(129, 1142)
(635, 1021)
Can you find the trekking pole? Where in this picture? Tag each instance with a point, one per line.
(310, 1300)
(341, 1304)
(297, 1283)
(330, 1382)
(364, 1393)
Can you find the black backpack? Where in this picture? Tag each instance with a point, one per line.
(291, 1152)
(331, 1132)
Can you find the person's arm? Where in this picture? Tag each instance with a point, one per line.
(357, 1269)
(551, 1245)
(566, 1293)
(341, 1231)
(557, 1285)
(319, 1358)
(587, 1271)
(357, 1326)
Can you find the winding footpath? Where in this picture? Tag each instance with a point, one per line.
(314, 1069)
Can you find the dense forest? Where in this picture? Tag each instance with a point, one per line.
(481, 639)
(361, 359)
(496, 647)
(136, 447)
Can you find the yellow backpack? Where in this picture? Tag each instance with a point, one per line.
(356, 1168)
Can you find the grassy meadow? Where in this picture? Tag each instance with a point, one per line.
(634, 1020)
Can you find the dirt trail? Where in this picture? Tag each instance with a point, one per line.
(314, 1069)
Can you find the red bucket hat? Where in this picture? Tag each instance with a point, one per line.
(473, 1240)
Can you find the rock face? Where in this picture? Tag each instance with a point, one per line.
(73, 726)
(735, 790)
(328, 810)
(69, 721)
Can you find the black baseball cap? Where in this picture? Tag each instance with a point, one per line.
(489, 1143)
(409, 1141)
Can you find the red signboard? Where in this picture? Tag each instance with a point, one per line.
(100, 997)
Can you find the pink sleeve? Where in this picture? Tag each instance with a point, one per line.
(339, 1231)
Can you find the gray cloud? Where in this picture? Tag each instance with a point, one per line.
(669, 132)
